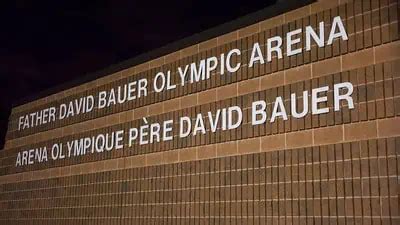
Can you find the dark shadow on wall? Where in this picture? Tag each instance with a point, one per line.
(3, 125)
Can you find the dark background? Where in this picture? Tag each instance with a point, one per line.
(46, 43)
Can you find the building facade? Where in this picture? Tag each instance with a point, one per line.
(286, 116)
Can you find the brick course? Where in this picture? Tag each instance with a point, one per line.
(348, 182)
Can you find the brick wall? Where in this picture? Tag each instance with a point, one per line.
(339, 167)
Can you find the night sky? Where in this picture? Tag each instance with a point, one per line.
(46, 43)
